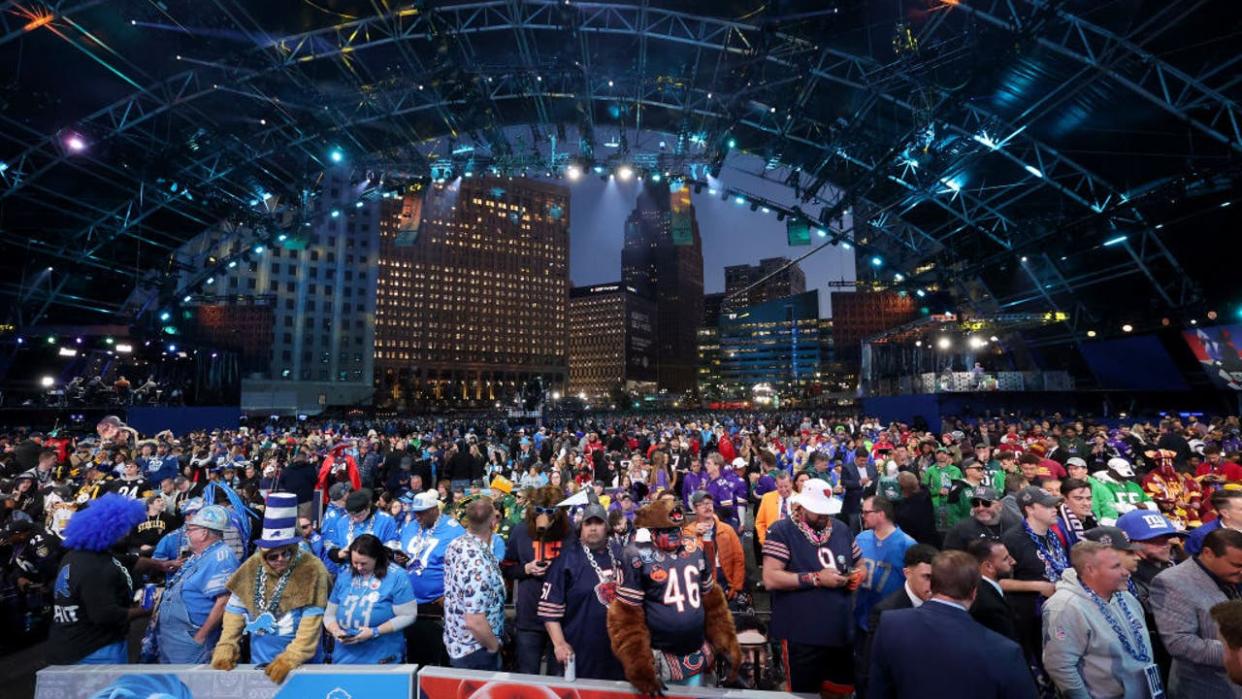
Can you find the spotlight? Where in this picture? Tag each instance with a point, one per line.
(165, 315)
(920, 293)
(336, 213)
(993, 339)
(877, 262)
(655, 177)
(336, 155)
(184, 299)
(573, 172)
(625, 172)
(1023, 260)
(67, 352)
(211, 280)
(75, 143)
(1091, 333)
(51, 339)
(977, 342)
(943, 343)
(47, 382)
(918, 343)
(124, 349)
(739, 200)
(258, 249)
(358, 205)
(1127, 328)
(733, 143)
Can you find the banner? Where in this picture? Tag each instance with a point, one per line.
(202, 682)
(449, 683)
(1216, 348)
(797, 232)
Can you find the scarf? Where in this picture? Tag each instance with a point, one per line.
(1071, 532)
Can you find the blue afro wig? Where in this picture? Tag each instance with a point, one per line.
(103, 523)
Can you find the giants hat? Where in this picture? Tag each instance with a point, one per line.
(1145, 525)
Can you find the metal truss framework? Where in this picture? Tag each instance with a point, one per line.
(963, 209)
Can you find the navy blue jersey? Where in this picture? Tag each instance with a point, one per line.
(828, 607)
(670, 588)
(576, 596)
(520, 550)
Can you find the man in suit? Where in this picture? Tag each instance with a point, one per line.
(990, 607)
(775, 506)
(915, 591)
(938, 644)
(1182, 598)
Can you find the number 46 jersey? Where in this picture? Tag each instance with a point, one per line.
(670, 588)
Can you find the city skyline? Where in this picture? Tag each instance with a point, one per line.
(732, 235)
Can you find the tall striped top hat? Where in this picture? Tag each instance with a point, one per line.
(280, 521)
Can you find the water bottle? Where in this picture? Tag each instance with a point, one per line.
(148, 596)
(571, 672)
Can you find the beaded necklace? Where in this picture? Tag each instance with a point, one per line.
(817, 539)
(261, 603)
(1049, 547)
(1137, 631)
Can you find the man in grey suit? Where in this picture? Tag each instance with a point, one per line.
(1182, 598)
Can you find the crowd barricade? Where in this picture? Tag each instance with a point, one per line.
(202, 682)
(341, 682)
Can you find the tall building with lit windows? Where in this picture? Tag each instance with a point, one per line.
(611, 341)
(318, 284)
(772, 349)
(473, 292)
(662, 258)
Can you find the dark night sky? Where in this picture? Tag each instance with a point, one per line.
(732, 234)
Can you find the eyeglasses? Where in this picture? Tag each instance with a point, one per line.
(980, 502)
(273, 556)
(307, 526)
(869, 512)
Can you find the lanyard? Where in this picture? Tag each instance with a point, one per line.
(1138, 651)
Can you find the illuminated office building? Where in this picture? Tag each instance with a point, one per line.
(709, 348)
(317, 284)
(472, 295)
(771, 349)
(611, 341)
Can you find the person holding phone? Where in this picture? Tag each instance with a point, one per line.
(370, 606)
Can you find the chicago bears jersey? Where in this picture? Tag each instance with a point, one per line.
(670, 589)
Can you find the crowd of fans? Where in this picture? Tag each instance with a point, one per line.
(1045, 557)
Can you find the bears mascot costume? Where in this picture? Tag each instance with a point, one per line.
(669, 619)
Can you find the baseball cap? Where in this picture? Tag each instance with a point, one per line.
(984, 492)
(1034, 495)
(1121, 466)
(338, 491)
(212, 517)
(739, 462)
(189, 507)
(594, 511)
(816, 498)
(699, 496)
(1110, 536)
(1075, 461)
(1144, 525)
(358, 501)
(425, 501)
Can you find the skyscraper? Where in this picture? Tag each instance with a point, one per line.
(473, 287)
(320, 288)
(663, 259)
(773, 348)
(778, 280)
(611, 341)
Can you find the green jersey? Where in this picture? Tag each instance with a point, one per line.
(1107, 493)
(937, 479)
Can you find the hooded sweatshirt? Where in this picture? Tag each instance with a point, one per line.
(1083, 654)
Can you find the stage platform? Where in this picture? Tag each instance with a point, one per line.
(148, 420)
(1109, 406)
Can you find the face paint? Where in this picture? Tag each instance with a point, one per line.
(667, 539)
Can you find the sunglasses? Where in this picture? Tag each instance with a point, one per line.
(273, 556)
(544, 510)
(980, 502)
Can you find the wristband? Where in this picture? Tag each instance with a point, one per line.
(807, 580)
(375, 631)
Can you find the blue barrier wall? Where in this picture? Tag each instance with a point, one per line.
(182, 420)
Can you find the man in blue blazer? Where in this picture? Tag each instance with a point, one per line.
(939, 645)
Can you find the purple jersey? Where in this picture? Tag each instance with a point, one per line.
(670, 588)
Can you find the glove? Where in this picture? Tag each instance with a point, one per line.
(279, 669)
(224, 657)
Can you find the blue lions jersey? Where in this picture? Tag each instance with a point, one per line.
(367, 602)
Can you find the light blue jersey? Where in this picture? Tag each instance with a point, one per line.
(367, 602)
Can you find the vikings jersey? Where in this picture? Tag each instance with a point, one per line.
(670, 588)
